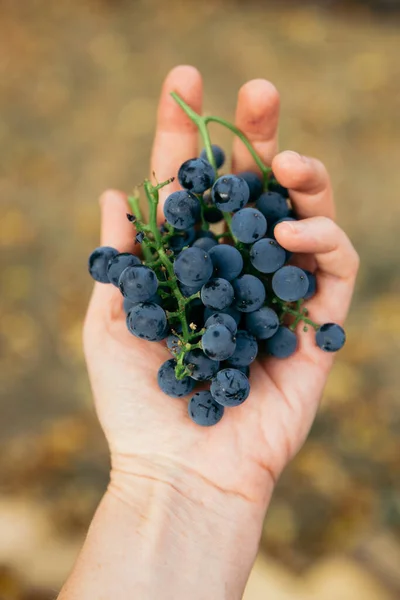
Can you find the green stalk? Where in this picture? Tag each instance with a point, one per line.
(134, 204)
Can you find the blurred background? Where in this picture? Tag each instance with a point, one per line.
(79, 87)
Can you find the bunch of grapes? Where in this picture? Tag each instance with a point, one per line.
(217, 300)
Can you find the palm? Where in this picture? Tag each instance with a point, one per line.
(254, 441)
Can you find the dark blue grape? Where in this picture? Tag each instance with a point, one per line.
(147, 321)
(203, 409)
(205, 233)
(230, 193)
(193, 266)
(169, 384)
(290, 283)
(202, 368)
(312, 285)
(182, 209)
(245, 370)
(273, 206)
(248, 225)
(178, 241)
(230, 387)
(246, 350)
(138, 283)
(217, 293)
(221, 318)
(254, 182)
(212, 214)
(218, 343)
(127, 305)
(249, 293)
(282, 344)
(98, 263)
(231, 311)
(117, 264)
(330, 337)
(205, 243)
(218, 153)
(189, 290)
(227, 261)
(173, 344)
(274, 186)
(267, 256)
(196, 175)
(262, 323)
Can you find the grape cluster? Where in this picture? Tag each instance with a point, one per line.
(218, 301)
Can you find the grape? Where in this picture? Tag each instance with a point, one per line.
(147, 321)
(248, 225)
(217, 293)
(173, 343)
(182, 209)
(249, 293)
(246, 350)
(169, 384)
(230, 387)
(117, 264)
(218, 153)
(98, 263)
(192, 266)
(138, 283)
(282, 344)
(271, 231)
(202, 367)
(230, 193)
(127, 305)
(274, 186)
(254, 183)
(227, 261)
(218, 343)
(312, 285)
(245, 370)
(231, 311)
(205, 233)
(290, 283)
(330, 337)
(196, 175)
(203, 409)
(273, 206)
(262, 323)
(267, 255)
(221, 318)
(189, 290)
(205, 243)
(212, 214)
(184, 238)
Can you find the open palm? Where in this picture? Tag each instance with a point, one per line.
(151, 434)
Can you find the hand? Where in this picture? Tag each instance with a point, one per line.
(150, 434)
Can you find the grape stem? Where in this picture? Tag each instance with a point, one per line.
(134, 204)
(298, 313)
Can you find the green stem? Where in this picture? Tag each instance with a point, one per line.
(299, 316)
(134, 203)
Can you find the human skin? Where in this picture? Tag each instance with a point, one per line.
(183, 513)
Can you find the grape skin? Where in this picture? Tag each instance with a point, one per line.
(248, 225)
(218, 154)
(249, 293)
(330, 337)
(231, 311)
(267, 256)
(246, 350)
(221, 318)
(312, 285)
(203, 410)
(273, 206)
(182, 209)
(205, 243)
(196, 175)
(283, 344)
(217, 293)
(230, 193)
(169, 384)
(227, 261)
(218, 343)
(290, 283)
(138, 283)
(203, 368)
(254, 182)
(147, 321)
(262, 323)
(98, 263)
(117, 264)
(230, 387)
(193, 266)
(177, 242)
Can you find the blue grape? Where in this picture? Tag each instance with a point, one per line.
(212, 214)
(274, 186)
(127, 304)
(290, 283)
(138, 283)
(217, 293)
(205, 243)
(147, 321)
(173, 343)
(282, 344)
(169, 384)
(267, 256)
(193, 266)
(189, 290)
(202, 367)
(182, 209)
(262, 323)
(254, 182)
(273, 206)
(246, 350)
(117, 264)
(330, 337)
(227, 261)
(98, 263)
(249, 293)
(218, 153)
(203, 409)
(221, 318)
(248, 225)
(230, 193)
(218, 343)
(245, 370)
(205, 233)
(196, 175)
(312, 285)
(230, 387)
(231, 311)
(184, 238)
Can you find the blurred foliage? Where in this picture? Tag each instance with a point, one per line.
(80, 82)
